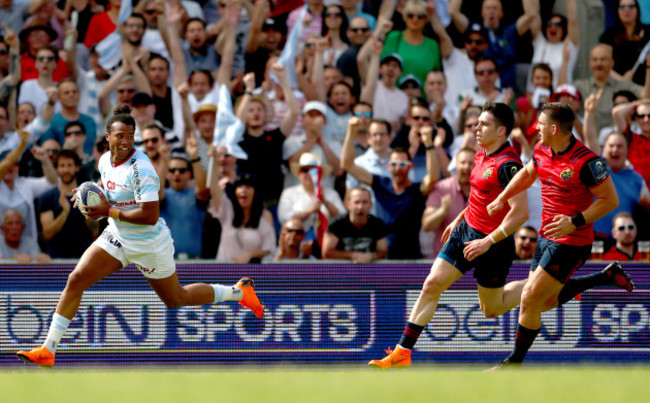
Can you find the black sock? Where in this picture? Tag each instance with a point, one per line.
(525, 339)
(577, 285)
(410, 335)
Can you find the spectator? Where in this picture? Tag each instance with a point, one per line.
(400, 201)
(36, 37)
(14, 14)
(304, 202)
(568, 94)
(465, 140)
(67, 233)
(601, 63)
(624, 230)
(362, 110)
(154, 14)
(627, 37)
(358, 33)
(68, 94)
(102, 24)
(312, 141)
(420, 54)
(247, 231)
(90, 84)
(13, 245)
(144, 113)
(158, 75)
(74, 140)
(17, 192)
(33, 90)
(448, 198)
(486, 73)
(638, 143)
(410, 85)
(28, 121)
(353, 10)
(313, 21)
(263, 41)
(183, 204)
(292, 244)
(335, 27)
(525, 242)
(357, 236)
(549, 47)
(502, 48)
(529, 103)
(436, 88)
(264, 147)
(199, 55)
(205, 119)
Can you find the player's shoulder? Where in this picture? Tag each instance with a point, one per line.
(580, 153)
(507, 153)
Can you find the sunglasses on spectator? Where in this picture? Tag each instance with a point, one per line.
(624, 227)
(333, 15)
(179, 170)
(295, 231)
(555, 24)
(128, 90)
(530, 238)
(628, 6)
(3, 52)
(74, 133)
(643, 116)
(475, 41)
(45, 58)
(152, 140)
(132, 25)
(52, 150)
(402, 164)
(410, 87)
(357, 30)
(419, 16)
(484, 72)
(363, 114)
(422, 118)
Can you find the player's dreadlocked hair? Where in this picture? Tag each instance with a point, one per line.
(121, 113)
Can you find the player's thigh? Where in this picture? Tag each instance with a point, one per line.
(442, 275)
(95, 264)
(541, 288)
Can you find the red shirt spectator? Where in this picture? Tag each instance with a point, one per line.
(28, 68)
(101, 25)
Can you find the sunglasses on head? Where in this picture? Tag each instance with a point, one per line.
(363, 114)
(357, 30)
(624, 227)
(174, 170)
(401, 164)
(295, 231)
(530, 238)
(484, 72)
(420, 16)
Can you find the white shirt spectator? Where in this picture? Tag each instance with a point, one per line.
(22, 198)
(390, 104)
(31, 92)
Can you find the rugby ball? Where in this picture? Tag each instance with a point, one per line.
(88, 195)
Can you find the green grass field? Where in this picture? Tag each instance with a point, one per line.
(439, 384)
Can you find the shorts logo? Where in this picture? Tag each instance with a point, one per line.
(487, 173)
(566, 174)
(145, 270)
(108, 237)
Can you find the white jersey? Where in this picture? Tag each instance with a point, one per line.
(127, 184)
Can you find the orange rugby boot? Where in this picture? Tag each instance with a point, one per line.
(400, 357)
(250, 300)
(39, 356)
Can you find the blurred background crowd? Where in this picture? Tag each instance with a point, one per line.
(359, 117)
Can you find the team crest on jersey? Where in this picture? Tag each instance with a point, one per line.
(487, 173)
(566, 174)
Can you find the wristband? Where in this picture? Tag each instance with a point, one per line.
(492, 239)
(503, 231)
(197, 159)
(578, 220)
(114, 213)
(431, 147)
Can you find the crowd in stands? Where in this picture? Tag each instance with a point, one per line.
(359, 117)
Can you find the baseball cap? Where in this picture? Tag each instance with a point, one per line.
(409, 78)
(394, 57)
(476, 28)
(566, 89)
(142, 98)
(315, 106)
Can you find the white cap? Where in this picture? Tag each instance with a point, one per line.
(315, 106)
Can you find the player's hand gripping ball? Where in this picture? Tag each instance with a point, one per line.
(88, 195)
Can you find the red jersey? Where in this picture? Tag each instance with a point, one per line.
(616, 254)
(566, 178)
(491, 174)
(639, 152)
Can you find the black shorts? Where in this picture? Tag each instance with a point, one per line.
(491, 268)
(559, 260)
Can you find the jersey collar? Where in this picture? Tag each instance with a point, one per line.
(125, 159)
(572, 144)
(503, 147)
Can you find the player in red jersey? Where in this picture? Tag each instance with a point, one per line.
(474, 239)
(571, 176)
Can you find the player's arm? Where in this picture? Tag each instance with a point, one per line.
(601, 187)
(522, 181)
(453, 225)
(146, 213)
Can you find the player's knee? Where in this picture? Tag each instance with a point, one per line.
(433, 287)
(76, 282)
(172, 301)
(489, 312)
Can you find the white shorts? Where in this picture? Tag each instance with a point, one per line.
(156, 263)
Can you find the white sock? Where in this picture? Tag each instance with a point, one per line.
(57, 329)
(227, 293)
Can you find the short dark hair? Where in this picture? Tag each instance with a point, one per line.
(74, 123)
(191, 20)
(502, 113)
(361, 189)
(70, 155)
(485, 59)
(625, 93)
(155, 127)
(206, 72)
(364, 104)
(52, 49)
(67, 80)
(401, 150)
(383, 122)
(155, 56)
(140, 16)
(544, 67)
(561, 114)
